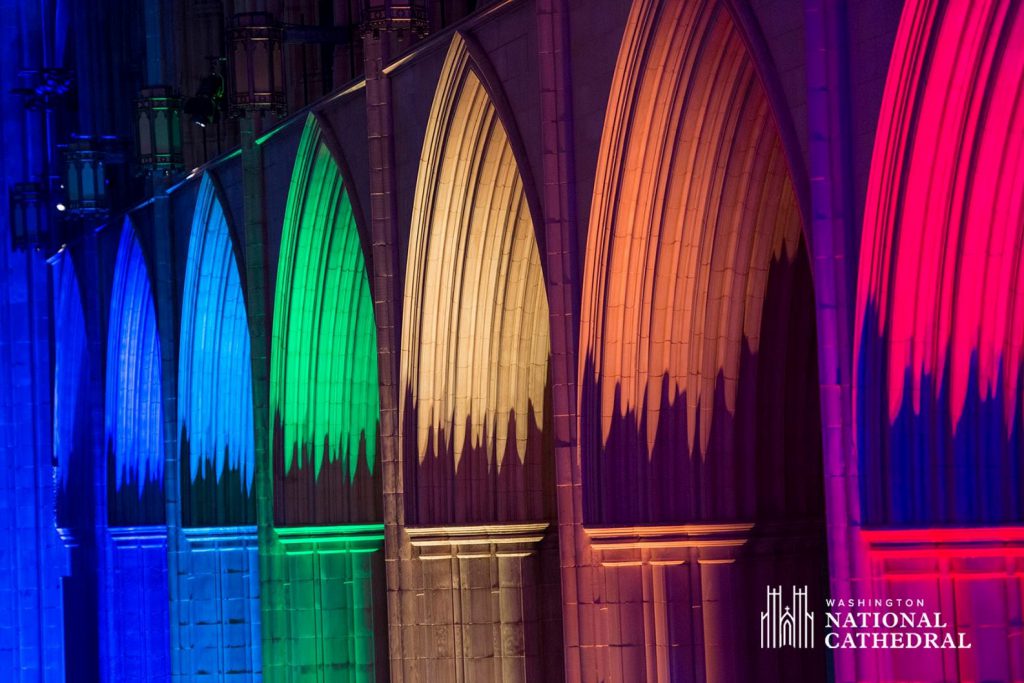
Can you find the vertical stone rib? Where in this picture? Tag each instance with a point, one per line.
(259, 324)
(561, 227)
(832, 252)
(386, 292)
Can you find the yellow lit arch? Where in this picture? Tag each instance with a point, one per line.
(475, 339)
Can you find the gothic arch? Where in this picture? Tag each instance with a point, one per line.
(134, 409)
(215, 419)
(74, 448)
(939, 378)
(475, 340)
(328, 534)
(700, 441)
(71, 444)
(940, 298)
(697, 311)
(476, 411)
(135, 584)
(216, 543)
(324, 392)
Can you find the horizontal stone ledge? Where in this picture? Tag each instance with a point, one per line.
(476, 541)
(140, 536)
(341, 538)
(712, 543)
(664, 536)
(989, 538)
(977, 552)
(69, 537)
(214, 538)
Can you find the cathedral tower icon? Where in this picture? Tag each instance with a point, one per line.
(790, 625)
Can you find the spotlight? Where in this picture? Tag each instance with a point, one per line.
(204, 108)
(61, 207)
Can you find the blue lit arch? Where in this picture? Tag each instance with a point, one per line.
(215, 412)
(73, 449)
(134, 414)
(69, 376)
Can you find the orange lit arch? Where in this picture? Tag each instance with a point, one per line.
(694, 274)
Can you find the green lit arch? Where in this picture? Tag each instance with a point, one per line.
(324, 398)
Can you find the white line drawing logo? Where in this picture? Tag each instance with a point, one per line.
(791, 625)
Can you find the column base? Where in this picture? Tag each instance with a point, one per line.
(481, 603)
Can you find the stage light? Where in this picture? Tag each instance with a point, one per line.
(205, 106)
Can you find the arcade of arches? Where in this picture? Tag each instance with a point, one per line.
(542, 350)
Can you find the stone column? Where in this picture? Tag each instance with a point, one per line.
(561, 239)
(833, 260)
(473, 600)
(387, 293)
(166, 304)
(255, 232)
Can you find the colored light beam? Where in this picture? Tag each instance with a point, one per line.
(214, 373)
(323, 387)
(476, 335)
(693, 205)
(941, 277)
(940, 291)
(69, 364)
(134, 413)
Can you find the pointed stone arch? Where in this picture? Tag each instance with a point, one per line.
(71, 446)
(77, 464)
(134, 600)
(940, 311)
(475, 414)
(324, 394)
(217, 564)
(697, 303)
(939, 339)
(134, 409)
(325, 554)
(700, 441)
(475, 332)
(215, 418)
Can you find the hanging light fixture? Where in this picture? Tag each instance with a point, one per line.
(30, 224)
(396, 16)
(256, 64)
(85, 179)
(158, 130)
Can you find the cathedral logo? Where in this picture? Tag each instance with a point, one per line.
(789, 625)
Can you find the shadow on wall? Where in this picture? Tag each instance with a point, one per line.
(484, 481)
(212, 497)
(762, 460)
(926, 467)
(136, 499)
(940, 316)
(337, 494)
